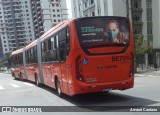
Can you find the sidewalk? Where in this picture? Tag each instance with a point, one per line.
(146, 70)
(5, 72)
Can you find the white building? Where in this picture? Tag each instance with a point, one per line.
(145, 19)
(86, 8)
(16, 29)
(47, 13)
(156, 30)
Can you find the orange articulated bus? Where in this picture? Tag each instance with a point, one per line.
(84, 55)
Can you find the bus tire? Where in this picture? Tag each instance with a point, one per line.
(20, 76)
(37, 81)
(13, 75)
(58, 89)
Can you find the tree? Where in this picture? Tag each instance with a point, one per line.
(141, 47)
(6, 61)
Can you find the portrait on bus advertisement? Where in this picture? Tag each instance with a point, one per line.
(103, 32)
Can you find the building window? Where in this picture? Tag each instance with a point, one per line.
(91, 2)
(149, 4)
(150, 43)
(137, 17)
(137, 31)
(85, 5)
(149, 17)
(136, 4)
(80, 7)
(92, 13)
(99, 11)
(149, 31)
(75, 10)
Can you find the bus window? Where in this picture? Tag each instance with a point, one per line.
(52, 47)
(43, 51)
(67, 41)
(49, 44)
(35, 55)
(101, 33)
(62, 50)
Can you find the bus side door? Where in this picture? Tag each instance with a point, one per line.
(62, 56)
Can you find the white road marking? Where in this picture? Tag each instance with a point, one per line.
(1, 87)
(137, 86)
(16, 86)
(140, 75)
(150, 75)
(28, 84)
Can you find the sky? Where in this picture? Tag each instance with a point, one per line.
(69, 8)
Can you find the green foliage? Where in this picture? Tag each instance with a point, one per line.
(141, 47)
(8, 55)
(5, 62)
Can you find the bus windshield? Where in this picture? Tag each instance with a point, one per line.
(102, 32)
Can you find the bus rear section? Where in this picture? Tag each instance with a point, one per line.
(104, 56)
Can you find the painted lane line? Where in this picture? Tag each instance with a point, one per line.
(16, 86)
(1, 87)
(139, 75)
(150, 75)
(138, 86)
(28, 84)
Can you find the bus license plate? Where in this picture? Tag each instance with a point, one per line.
(108, 89)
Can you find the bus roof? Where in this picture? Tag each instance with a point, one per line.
(30, 45)
(17, 52)
(55, 29)
(44, 36)
(83, 18)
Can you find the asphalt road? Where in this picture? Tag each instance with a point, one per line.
(145, 93)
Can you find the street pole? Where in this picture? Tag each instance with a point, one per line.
(130, 16)
(127, 8)
(135, 64)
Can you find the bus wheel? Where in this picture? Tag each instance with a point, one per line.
(20, 76)
(60, 94)
(13, 75)
(37, 81)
